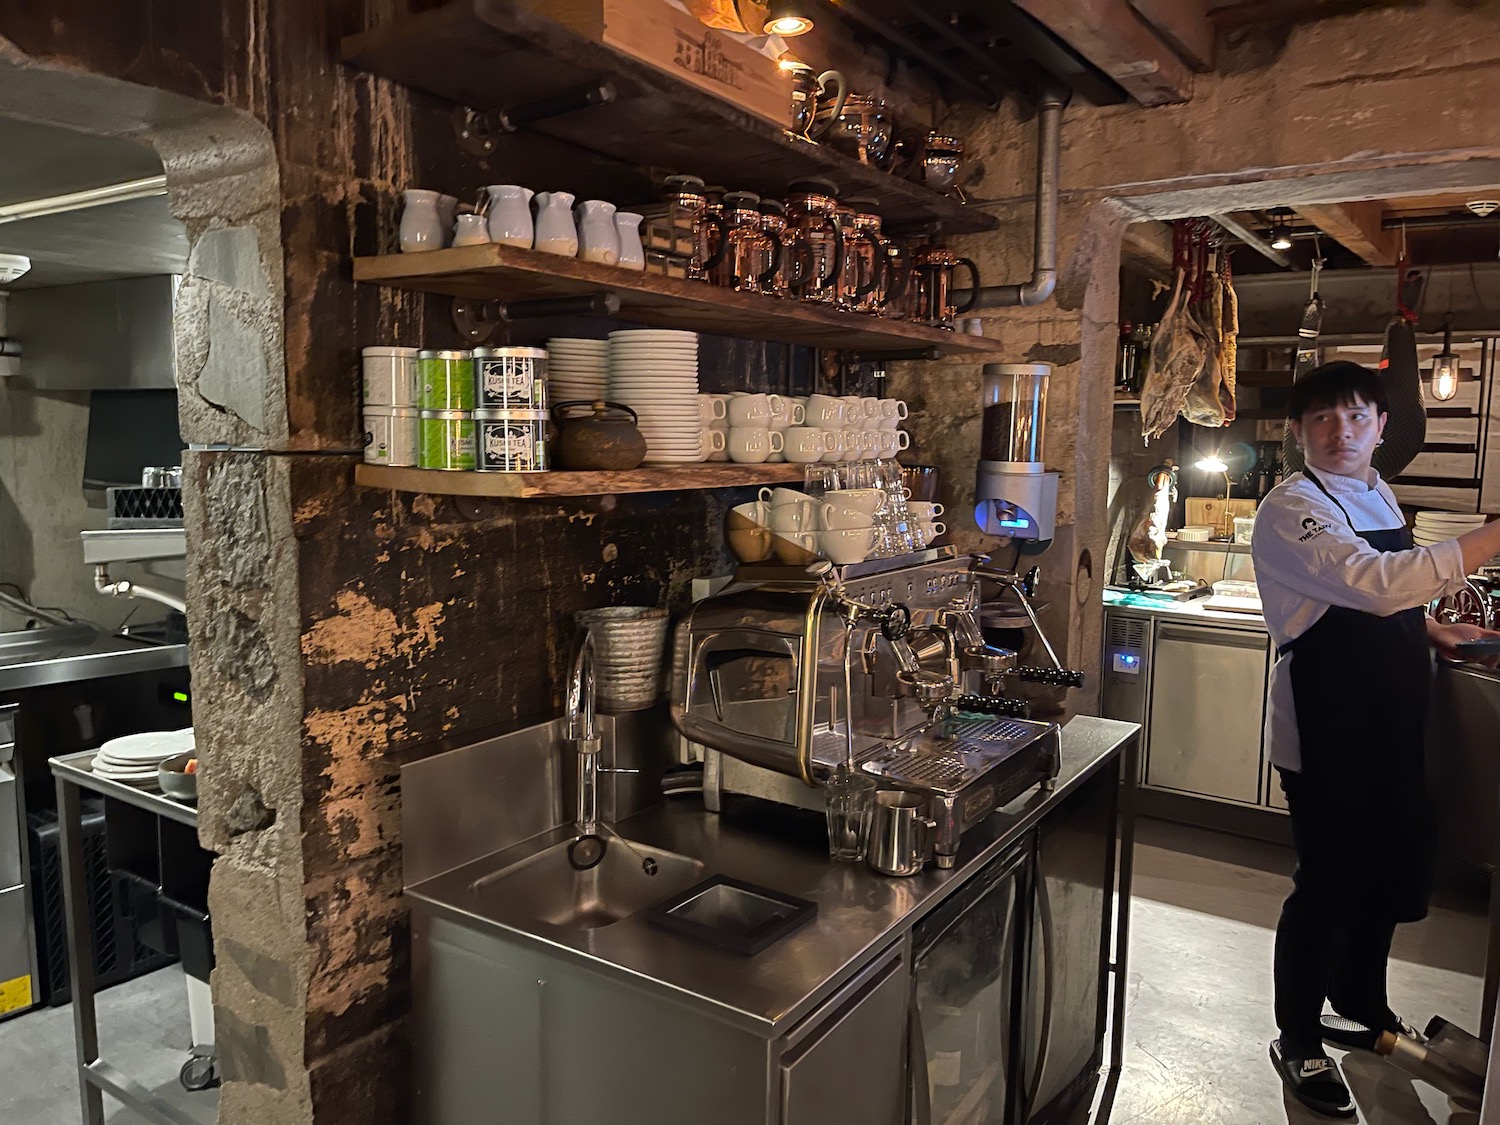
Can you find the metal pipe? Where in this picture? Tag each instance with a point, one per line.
(82, 200)
(1252, 240)
(1044, 240)
(124, 588)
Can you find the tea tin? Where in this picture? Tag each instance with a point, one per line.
(512, 441)
(390, 435)
(511, 378)
(445, 380)
(390, 376)
(447, 440)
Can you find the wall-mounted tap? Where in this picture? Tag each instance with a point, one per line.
(582, 731)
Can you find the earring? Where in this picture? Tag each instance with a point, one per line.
(1380, 442)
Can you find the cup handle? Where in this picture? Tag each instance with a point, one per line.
(764, 495)
(798, 413)
(717, 409)
(713, 440)
(902, 411)
(778, 444)
(903, 439)
(828, 441)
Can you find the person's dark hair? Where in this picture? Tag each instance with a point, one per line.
(1337, 384)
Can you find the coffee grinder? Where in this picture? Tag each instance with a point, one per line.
(1015, 494)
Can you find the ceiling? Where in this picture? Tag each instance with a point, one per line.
(128, 239)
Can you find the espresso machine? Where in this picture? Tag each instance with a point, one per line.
(792, 671)
(1015, 495)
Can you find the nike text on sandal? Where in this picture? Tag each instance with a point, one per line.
(1351, 1033)
(1315, 1082)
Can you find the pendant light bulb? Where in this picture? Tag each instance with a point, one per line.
(1445, 366)
(1280, 236)
(1280, 240)
(786, 18)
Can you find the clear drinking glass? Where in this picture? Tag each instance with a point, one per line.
(850, 798)
(818, 479)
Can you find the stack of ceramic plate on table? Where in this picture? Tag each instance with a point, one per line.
(133, 758)
(575, 370)
(655, 373)
(1433, 527)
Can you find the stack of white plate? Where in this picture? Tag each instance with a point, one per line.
(655, 373)
(1434, 527)
(132, 759)
(575, 369)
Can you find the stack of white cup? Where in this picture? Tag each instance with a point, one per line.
(848, 428)
(840, 527)
(754, 435)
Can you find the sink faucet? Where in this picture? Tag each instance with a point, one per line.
(582, 731)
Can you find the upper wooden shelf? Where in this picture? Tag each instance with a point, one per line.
(509, 273)
(543, 486)
(486, 54)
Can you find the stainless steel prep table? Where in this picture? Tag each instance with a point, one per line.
(96, 1076)
(858, 911)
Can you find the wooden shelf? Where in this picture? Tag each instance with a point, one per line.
(487, 54)
(509, 273)
(542, 486)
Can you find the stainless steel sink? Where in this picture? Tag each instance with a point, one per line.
(545, 887)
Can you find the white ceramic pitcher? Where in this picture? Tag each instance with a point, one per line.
(555, 232)
(598, 239)
(421, 225)
(632, 253)
(510, 215)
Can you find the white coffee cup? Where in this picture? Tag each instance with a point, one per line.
(805, 444)
(710, 409)
(833, 442)
(794, 547)
(921, 510)
(802, 516)
(721, 428)
(890, 442)
(757, 511)
(786, 412)
(858, 510)
(825, 411)
(854, 412)
(867, 500)
(872, 412)
(773, 496)
(847, 545)
(892, 412)
(752, 409)
(713, 440)
(858, 444)
(751, 445)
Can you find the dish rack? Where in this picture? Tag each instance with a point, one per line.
(143, 507)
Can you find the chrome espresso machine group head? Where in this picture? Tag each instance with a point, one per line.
(790, 672)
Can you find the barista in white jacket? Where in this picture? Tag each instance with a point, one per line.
(1344, 594)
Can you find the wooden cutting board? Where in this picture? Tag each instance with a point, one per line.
(1210, 512)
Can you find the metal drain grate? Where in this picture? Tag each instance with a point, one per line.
(941, 771)
(144, 507)
(992, 730)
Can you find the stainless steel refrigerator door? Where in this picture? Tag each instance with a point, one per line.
(965, 989)
(1066, 1008)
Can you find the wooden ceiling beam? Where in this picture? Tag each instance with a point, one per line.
(1356, 226)
(1185, 25)
(1116, 39)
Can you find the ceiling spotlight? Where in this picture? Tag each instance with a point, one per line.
(1445, 366)
(787, 18)
(1280, 237)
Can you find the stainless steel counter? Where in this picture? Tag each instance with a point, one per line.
(79, 770)
(66, 654)
(859, 912)
(1192, 611)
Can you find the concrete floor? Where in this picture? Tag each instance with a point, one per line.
(1198, 1019)
(143, 1030)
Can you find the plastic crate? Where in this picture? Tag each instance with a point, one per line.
(118, 951)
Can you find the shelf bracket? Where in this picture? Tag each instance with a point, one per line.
(478, 130)
(477, 320)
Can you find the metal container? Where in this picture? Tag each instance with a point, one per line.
(391, 435)
(901, 833)
(511, 441)
(446, 440)
(390, 376)
(445, 380)
(511, 378)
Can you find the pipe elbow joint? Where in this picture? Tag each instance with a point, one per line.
(1039, 291)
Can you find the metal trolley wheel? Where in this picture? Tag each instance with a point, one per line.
(200, 1072)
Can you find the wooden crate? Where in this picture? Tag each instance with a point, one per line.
(1209, 512)
(672, 40)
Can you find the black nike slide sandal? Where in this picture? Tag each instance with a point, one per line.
(1345, 1032)
(1315, 1082)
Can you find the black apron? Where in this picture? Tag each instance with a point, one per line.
(1361, 820)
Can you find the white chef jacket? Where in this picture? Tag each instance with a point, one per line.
(1308, 557)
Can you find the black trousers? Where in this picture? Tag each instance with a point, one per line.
(1326, 949)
